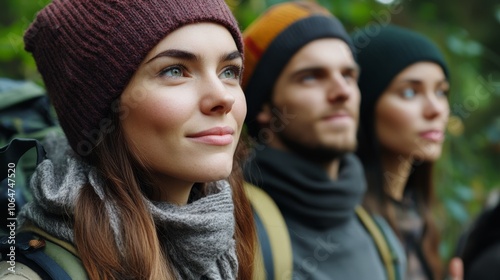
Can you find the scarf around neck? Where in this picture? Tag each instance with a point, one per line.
(302, 189)
(197, 237)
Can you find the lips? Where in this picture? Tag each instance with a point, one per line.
(338, 119)
(217, 136)
(337, 116)
(433, 135)
(337, 112)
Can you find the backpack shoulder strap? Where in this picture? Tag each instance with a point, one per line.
(66, 260)
(62, 252)
(395, 246)
(380, 242)
(275, 255)
(29, 249)
(11, 153)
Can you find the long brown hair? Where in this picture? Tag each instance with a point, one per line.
(140, 256)
(420, 182)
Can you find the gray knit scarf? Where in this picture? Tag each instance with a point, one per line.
(197, 237)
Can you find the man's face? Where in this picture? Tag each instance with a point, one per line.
(315, 104)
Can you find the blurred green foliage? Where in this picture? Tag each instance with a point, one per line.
(15, 17)
(467, 31)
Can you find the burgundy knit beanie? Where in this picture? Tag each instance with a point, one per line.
(88, 50)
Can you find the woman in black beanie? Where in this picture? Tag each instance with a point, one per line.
(404, 111)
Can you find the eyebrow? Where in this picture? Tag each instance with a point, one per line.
(417, 81)
(185, 55)
(305, 70)
(353, 67)
(175, 54)
(231, 56)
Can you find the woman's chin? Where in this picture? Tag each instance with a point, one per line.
(216, 172)
(429, 156)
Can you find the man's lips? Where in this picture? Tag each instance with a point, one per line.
(339, 112)
(338, 119)
(217, 136)
(337, 116)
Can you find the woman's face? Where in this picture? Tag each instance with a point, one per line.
(183, 110)
(411, 115)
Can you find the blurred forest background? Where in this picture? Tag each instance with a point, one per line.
(467, 31)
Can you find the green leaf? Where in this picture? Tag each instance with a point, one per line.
(456, 210)
(464, 193)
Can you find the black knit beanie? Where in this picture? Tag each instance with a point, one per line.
(384, 54)
(88, 50)
(272, 40)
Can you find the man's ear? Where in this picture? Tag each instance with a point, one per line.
(265, 115)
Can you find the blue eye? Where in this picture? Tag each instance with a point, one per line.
(232, 72)
(350, 76)
(173, 71)
(442, 93)
(309, 77)
(408, 93)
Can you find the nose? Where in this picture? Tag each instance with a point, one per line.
(216, 97)
(338, 88)
(435, 106)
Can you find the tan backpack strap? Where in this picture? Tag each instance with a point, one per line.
(62, 252)
(380, 241)
(277, 232)
(28, 226)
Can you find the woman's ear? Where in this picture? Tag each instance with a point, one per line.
(265, 115)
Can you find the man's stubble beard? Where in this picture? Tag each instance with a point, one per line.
(318, 153)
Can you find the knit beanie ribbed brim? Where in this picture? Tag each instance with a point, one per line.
(272, 40)
(88, 50)
(384, 54)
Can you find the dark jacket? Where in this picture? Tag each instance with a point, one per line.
(481, 250)
(328, 240)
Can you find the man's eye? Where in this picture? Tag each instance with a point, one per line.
(308, 77)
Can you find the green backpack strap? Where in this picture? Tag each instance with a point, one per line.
(274, 256)
(385, 250)
(62, 252)
(66, 260)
